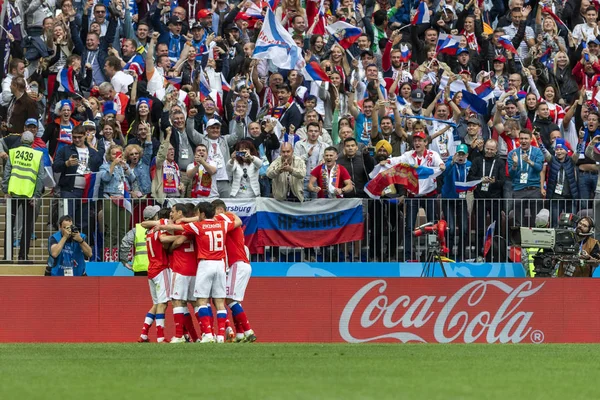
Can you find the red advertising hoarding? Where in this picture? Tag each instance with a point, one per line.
(107, 309)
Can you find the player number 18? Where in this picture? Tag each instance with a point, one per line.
(215, 240)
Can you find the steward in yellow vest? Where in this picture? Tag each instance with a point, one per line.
(136, 239)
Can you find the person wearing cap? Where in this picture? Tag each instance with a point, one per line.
(463, 63)
(417, 97)
(589, 252)
(14, 139)
(524, 166)
(474, 139)
(67, 250)
(59, 132)
(499, 75)
(23, 182)
(488, 194)
(204, 17)
(561, 177)
(425, 197)
(136, 238)
(73, 163)
(454, 203)
(171, 34)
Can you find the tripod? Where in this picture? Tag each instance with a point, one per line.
(433, 258)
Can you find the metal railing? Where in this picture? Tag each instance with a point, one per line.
(389, 226)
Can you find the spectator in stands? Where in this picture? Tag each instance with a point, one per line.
(74, 163)
(23, 188)
(21, 107)
(244, 167)
(491, 170)
(358, 164)
(117, 179)
(287, 172)
(330, 180)
(67, 250)
(311, 151)
(201, 173)
(524, 166)
(167, 178)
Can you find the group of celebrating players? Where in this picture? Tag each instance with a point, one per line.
(196, 253)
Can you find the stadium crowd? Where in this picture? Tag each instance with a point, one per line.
(159, 100)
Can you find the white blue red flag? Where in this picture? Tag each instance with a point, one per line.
(66, 80)
(313, 72)
(489, 234)
(344, 33)
(505, 42)
(276, 44)
(405, 53)
(422, 15)
(462, 187)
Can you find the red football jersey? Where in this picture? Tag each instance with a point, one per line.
(183, 258)
(210, 238)
(156, 254)
(234, 243)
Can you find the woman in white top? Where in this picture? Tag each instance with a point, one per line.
(244, 167)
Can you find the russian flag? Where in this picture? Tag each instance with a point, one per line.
(462, 187)
(91, 189)
(507, 44)
(545, 58)
(125, 202)
(224, 85)
(66, 80)
(422, 15)
(484, 90)
(204, 86)
(405, 53)
(136, 64)
(450, 46)
(344, 33)
(326, 222)
(472, 101)
(489, 234)
(175, 81)
(255, 12)
(313, 72)
(38, 144)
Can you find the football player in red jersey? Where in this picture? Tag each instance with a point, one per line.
(159, 279)
(238, 275)
(210, 237)
(183, 279)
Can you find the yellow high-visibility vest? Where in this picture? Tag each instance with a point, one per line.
(25, 163)
(140, 257)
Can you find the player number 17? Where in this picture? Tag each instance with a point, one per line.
(215, 240)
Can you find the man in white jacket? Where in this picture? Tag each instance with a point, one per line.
(310, 150)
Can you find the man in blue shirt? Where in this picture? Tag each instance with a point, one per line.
(67, 250)
(524, 166)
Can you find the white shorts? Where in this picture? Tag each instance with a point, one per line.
(160, 287)
(210, 279)
(237, 280)
(182, 287)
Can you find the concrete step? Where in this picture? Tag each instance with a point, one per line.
(22, 269)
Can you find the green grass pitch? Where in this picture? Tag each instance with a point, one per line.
(298, 371)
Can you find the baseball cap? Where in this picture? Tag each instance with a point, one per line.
(462, 148)
(417, 95)
(419, 134)
(89, 124)
(196, 25)
(31, 121)
(462, 50)
(174, 20)
(151, 211)
(203, 13)
(594, 40)
(500, 58)
(27, 137)
(473, 121)
(212, 122)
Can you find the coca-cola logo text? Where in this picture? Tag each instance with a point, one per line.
(470, 314)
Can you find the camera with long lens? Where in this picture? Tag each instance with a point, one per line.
(554, 246)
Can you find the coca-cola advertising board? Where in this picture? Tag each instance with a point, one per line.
(356, 310)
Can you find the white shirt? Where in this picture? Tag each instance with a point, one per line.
(121, 82)
(429, 159)
(83, 156)
(582, 29)
(215, 156)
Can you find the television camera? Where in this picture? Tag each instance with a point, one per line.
(436, 245)
(554, 246)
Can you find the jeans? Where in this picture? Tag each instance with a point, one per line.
(587, 186)
(308, 195)
(265, 186)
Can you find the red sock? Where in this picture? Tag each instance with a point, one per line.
(205, 325)
(227, 323)
(244, 321)
(179, 322)
(221, 318)
(160, 332)
(189, 325)
(238, 324)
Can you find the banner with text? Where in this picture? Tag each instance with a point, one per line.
(355, 310)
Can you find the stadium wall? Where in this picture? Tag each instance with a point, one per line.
(102, 309)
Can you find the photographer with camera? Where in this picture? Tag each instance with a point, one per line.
(67, 250)
(589, 252)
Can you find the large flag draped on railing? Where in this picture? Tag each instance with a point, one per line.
(323, 222)
(400, 174)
